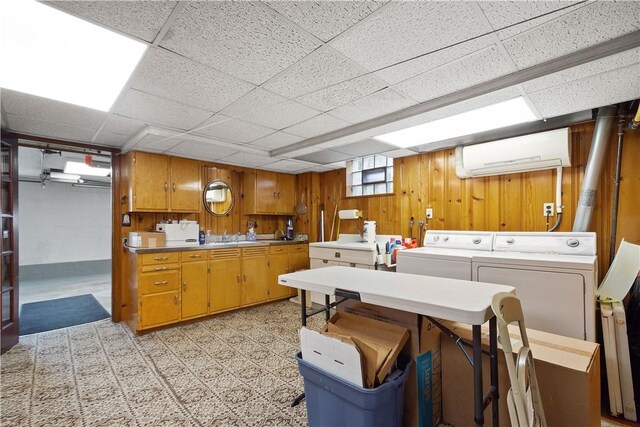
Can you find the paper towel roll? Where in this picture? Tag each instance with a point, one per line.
(349, 214)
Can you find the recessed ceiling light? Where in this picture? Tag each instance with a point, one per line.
(84, 169)
(503, 114)
(54, 55)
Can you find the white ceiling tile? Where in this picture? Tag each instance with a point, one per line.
(317, 125)
(402, 152)
(476, 68)
(247, 159)
(26, 105)
(524, 15)
(587, 26)
(235, 130)
(592, 92)
(276, 140)
(318, 70)
(123, 125)
(201, 150)
(112, 139)
(142, 19)
(172, 76)
(325, 19)
(288, 165)
(324, 156)
(363, 148)
(342, 93)
(589, 69)
(257, 99)
(405, 70)
(281, 115)
(157, 143)
(375, 105)
(404, 30)
(163, 112)
(300, 152)
(243, 39)
(31, 126)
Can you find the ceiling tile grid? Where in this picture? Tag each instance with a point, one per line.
(375, 105)
(141, 19)
(322, 68)
(587, 26)
(156, 143)
(276, 140)
(256, 100)
(200, 150)
(343, 93)
(154, 109)
(123, 125)
(363, 148)
(476, 68)
(39, 108)
(243, 39)
(325, 19)
(288, 165)
(316, 126)
(33, 126)
(234, 130)
(112, 139)
(607, 88)
(404, 30)
(281, 115)
(248, 160)
(174, 77)
(323, 157)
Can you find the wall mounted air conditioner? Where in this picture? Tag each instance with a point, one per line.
(545, 150)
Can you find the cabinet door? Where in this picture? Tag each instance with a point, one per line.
(185, 185)
(278, 264)
(298, 258)
(266, 191)
(151, 182)
(194, 289)
(255, 275)
(285, 195)
(159, 309)
(225, 284)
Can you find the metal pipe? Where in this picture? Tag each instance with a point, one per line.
(558, 199)
(599, 144)
(616, 190)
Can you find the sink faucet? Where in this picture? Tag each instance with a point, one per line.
(227, 238)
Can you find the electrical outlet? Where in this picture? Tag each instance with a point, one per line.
(548, 209)
(429, 213)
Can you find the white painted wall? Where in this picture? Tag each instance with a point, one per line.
(61, 223)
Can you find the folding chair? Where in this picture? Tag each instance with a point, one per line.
(523, 398)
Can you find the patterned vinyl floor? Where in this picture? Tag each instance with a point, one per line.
(232, 370)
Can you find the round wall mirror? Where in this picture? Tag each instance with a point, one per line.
(218, 197)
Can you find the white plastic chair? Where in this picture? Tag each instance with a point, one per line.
(523, 398)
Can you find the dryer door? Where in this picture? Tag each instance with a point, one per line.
(552, 301)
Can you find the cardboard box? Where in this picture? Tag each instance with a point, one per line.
(422, 401)
(146, 239)
(568, 372)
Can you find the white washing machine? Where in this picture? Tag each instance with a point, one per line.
(445, 254)
(555, 276)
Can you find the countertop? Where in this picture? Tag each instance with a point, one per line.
(216, 245)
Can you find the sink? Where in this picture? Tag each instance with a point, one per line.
(248, 242)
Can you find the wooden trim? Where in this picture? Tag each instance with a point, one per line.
(62, 143)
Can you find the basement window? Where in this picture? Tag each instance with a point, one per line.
(369, 176)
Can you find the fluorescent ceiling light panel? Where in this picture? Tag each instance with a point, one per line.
(84, 169)
(503, 114)
(51, 54)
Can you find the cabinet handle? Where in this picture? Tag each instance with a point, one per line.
(195, 256)
(161, 268)
(279, 250)
(164, 282)
(325, 261)
(184, 286)
(161, 258)
(278, 195)
(352, 264)
(173, 186)
(175, 299)
(244, 277)
(238, 278)
(166, 186)
(274, 194)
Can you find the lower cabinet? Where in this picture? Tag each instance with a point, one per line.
(159, 309)
(225, 280)
(285, 259)
(255, 273)
(195, 286)
(156, 301)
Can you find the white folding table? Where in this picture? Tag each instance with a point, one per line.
(450, 299)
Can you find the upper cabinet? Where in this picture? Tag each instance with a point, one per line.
(158, 183)
(268, 192)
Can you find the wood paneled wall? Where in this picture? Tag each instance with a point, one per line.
(499, 203)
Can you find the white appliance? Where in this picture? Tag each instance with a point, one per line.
(555, 276)
(445, 254)
(183, 233)
(544, 150)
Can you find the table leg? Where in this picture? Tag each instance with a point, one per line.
(493, 349)
(327, 312)
(303, 304)
(477, 376)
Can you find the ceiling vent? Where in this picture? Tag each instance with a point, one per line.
(545, 150)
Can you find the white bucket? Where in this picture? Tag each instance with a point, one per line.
(369, 232)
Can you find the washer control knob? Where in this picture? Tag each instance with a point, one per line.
(511, 240)
(436, 238)
(477, 240)
(445, 238)
(573, 243)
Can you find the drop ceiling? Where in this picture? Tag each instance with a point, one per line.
(302, 86)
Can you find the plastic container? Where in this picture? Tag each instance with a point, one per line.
(333, 402)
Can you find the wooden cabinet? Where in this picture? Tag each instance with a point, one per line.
(285, 259)
(159, 183)
(225, 280)
(255, 273)
(158, 290)
(268, 192)
(194, 289)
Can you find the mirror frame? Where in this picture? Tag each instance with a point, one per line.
(207, 204)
